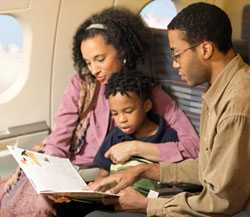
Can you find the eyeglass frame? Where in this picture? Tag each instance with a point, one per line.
(175, 57)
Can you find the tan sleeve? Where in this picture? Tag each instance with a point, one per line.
(183, 172)
(226, 186)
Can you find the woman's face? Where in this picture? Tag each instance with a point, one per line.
(102, 59)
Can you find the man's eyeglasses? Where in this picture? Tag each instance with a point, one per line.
(176, 56)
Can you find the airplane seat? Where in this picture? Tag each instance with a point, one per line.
(243, 48)
(188, 98)
(245, 31)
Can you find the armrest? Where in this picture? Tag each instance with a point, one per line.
(167, 190)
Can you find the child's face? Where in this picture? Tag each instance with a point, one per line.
(128, 112)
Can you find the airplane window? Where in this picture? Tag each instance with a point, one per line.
(158, 13)
(12, 76)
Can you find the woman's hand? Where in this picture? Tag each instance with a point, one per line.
(121, 152)
(131, 200)
(60, 198)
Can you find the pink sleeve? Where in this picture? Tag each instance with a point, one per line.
(58, 142)
(188, 145)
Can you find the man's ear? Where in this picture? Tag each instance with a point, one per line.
(207, 49)
(147, 105)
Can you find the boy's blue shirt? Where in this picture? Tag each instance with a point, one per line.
(163, 134)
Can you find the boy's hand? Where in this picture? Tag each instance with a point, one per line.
(103, 185)
(121, 152)
(116, 182)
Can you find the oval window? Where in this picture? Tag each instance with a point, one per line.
(12, 74)
(158, 13)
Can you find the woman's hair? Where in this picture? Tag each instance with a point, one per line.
(130, 81)
(119, 27)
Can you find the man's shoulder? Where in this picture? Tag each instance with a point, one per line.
(236, 97)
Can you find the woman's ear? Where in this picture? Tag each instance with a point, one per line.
(147, 105)
(207, 49)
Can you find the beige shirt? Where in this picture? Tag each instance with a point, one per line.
(223, 167)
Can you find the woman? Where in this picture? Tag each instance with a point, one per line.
(103, 44)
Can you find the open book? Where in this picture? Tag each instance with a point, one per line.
(54, 175)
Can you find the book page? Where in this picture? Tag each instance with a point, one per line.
(48, 173)
(54, 175)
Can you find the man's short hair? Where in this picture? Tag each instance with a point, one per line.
(204, 22)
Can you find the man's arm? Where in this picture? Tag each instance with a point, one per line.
(179, 173)
(226, 186)
(125, 178)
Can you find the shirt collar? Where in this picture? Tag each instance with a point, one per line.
(214, 92)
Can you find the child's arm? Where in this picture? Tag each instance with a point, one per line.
(101, 174)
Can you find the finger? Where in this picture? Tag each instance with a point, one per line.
(53, 198)
(114, 160)
(91, 185)
(117, 188)
(64, 200)
(108, 153)
(103, 185)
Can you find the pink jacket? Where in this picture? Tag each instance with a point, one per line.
(58, 142)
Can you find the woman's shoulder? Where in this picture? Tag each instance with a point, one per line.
(77, 81)
(75, 78)
(158, 92)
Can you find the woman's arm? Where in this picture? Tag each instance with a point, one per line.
(188, 145)
(129, 149)
(58, 142)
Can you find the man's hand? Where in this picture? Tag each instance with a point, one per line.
(121, 152)
(131, 200)
(118, 181)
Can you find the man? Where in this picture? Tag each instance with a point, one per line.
(201, 44)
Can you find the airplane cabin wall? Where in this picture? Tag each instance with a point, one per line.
(70, 17)
(25, 116)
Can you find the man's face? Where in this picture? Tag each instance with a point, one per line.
(187, 59)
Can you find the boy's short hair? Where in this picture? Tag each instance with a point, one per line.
(202, 21)
(129, 81)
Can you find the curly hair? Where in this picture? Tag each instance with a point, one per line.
(124, 30)
(202, 21)
(130, 81)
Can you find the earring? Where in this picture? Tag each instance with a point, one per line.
(124, 61)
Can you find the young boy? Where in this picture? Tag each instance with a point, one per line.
(128, 94)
